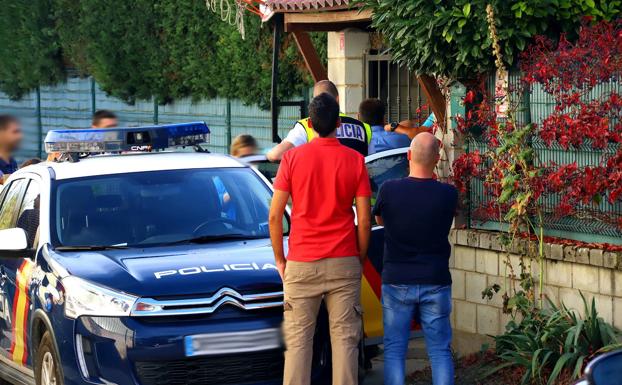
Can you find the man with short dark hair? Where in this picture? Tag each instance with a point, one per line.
(417, 213)
(372, 112)
(10, 139)
(104, 119)
(351, 132)
(326, 249)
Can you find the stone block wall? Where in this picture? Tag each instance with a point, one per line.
(346, 67)
(478, 260)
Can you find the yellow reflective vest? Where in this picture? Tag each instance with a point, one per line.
(352, 133)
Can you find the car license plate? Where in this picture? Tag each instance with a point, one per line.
(232, 342)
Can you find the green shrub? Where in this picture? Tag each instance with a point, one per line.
(552, 340)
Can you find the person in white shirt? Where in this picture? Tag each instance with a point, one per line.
(351, 132)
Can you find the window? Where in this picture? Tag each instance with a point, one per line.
(13, 195)
(28, 218)
(162, 207)
(386, 168)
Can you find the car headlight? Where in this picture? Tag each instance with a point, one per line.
(86, 298)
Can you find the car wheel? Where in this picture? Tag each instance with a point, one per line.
(47, 363)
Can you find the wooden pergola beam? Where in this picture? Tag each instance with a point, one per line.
(435, 97)
(326, 21)
(310, 56)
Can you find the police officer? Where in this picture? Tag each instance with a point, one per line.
(352, 132)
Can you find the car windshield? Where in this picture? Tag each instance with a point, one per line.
(161, 207)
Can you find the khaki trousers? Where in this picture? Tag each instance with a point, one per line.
(337, 281)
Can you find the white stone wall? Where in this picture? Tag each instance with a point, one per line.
(346, 67)
(478, 260)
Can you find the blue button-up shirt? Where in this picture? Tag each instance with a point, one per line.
(382, 140)
(7, 167)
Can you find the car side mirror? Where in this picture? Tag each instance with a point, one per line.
(14, 244)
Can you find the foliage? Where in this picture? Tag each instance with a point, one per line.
(450, 38)
(29, 51)
(543, 339)
(551, 340)
(164, 49)
(582, 116)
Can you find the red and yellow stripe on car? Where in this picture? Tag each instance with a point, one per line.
(21, 304)
(371, 294)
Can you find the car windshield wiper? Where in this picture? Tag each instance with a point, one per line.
(90, 248)
(218, 237)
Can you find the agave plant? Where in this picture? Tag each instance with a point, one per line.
(553, 340)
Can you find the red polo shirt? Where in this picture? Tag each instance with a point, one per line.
(323, 178)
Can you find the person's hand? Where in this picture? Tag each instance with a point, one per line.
(280, 265)
(387, 127)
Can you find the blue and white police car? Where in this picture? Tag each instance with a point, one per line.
(140, 268)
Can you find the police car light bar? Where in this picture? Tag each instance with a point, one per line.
(147, 138)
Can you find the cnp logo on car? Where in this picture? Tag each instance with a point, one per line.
(205, 269)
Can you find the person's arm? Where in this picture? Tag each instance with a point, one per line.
(276, 153)
(377, 210)
(363, 229)
(379, 220)
(297, 136)
(275, 220)
(409, 128)
(362, 201)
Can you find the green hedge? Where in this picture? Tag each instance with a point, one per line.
(166, 49)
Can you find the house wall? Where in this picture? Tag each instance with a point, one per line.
(479, 260)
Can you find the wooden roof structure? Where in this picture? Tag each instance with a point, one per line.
(302, 16)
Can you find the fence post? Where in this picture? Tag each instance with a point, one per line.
(39, 124)
(93, 95)
(228, 125)
(155, 111)
(456, 107)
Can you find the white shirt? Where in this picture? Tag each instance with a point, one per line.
(297, 135)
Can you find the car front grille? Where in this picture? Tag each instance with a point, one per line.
(235, 369)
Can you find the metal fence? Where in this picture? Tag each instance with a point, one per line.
(393, 84)
(593, 222)
(71, 105)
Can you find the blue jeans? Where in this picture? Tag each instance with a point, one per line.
(429, 304)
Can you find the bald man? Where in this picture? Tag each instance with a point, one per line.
(417, 213)
(351, 132)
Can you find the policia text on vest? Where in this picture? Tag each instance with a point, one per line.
(352, 133)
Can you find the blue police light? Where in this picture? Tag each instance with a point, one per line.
(147, 138)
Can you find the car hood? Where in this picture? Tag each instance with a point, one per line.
(188, 270)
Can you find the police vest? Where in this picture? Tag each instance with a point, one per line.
(352, 133)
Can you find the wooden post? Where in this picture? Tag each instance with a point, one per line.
(310, 56)
(435, 98)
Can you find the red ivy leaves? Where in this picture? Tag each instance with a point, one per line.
(466, 167)
(574, 74)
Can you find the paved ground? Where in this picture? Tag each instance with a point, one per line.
(416, 360)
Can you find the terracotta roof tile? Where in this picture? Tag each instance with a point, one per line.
(306, 5)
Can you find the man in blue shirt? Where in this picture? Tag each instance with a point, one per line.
(10, 138)
(417, 213)
(372, 111)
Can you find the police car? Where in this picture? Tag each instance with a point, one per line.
(140, 268)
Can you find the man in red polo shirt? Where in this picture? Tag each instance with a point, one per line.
(326, 249)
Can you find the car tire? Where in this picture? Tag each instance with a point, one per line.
(47, 363)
